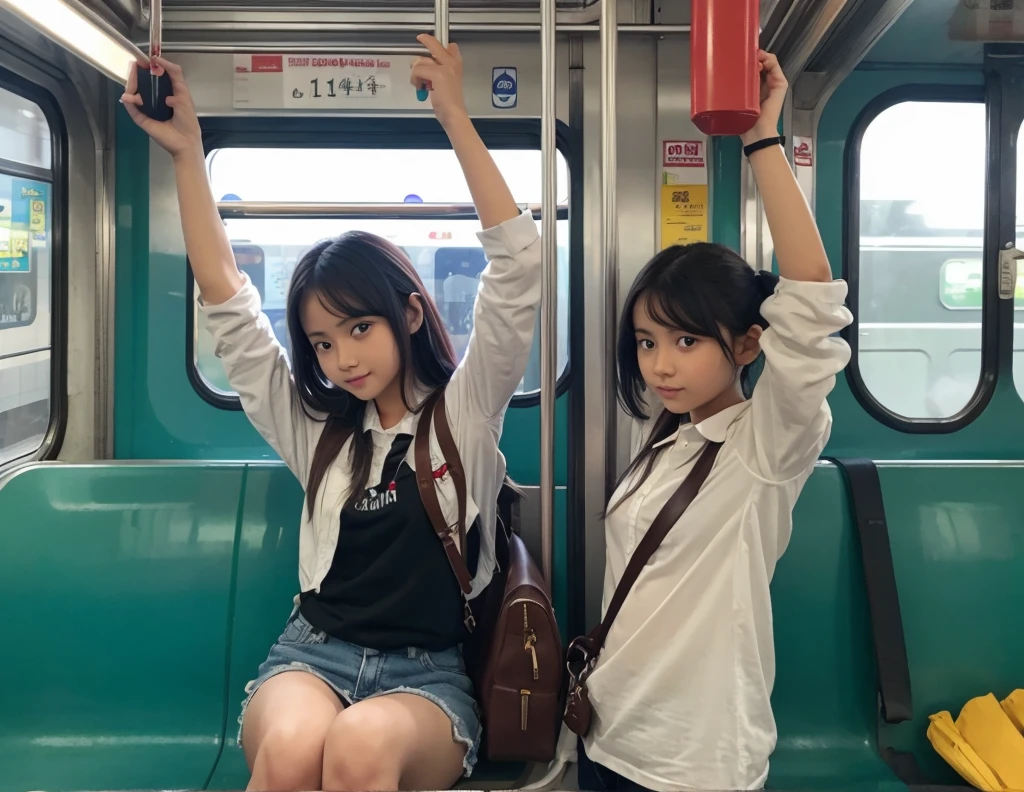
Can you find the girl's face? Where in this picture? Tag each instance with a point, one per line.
(689, 372)
(358, 354)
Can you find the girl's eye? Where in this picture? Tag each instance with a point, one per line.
(687, 341)
(361, 328)
(645, 343)
(322, 346)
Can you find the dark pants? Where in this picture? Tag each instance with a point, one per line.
(597, 778)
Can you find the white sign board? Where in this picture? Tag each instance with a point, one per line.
(310, 82)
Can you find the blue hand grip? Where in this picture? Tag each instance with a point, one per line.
(422, 94)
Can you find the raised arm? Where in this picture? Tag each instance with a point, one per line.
(803, 354)
(209, 251)
(442, 74)
(798, 247)
(254, 361)
(505, 312)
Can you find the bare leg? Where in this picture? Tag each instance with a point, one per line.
(284, 729)
(400, 741)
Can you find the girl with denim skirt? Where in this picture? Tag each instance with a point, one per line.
(366, 688)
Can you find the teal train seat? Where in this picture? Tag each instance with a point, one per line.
(116, 584)
(957, 547)
(138, 599)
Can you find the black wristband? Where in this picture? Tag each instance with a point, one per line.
(763, 144)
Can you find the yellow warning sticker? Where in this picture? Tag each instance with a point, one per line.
(684, 214)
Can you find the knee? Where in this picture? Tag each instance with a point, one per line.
(359, 756)
(290, 757)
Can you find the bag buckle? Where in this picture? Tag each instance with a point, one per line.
(467, 616)
(579, 661)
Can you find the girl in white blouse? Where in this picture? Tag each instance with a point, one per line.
(367, 688)
(681, 691)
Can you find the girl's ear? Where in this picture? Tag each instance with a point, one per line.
(414, 312)
(747, 347)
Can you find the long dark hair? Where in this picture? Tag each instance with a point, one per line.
(701, 289)
(360, 274)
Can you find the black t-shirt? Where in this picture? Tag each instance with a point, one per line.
(390, 585)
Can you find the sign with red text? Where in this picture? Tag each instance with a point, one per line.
(310, 82)
(683, 154)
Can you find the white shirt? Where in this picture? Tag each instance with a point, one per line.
(476, 398)
(681, 691)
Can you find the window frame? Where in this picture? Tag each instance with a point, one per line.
(917, 92)
(221, 132)
(57, 176)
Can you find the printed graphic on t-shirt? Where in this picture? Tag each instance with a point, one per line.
(380, 497)
(375, 501)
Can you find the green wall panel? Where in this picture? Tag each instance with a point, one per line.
(999, 432)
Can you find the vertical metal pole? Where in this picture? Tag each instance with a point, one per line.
(549, 285)
(441, 21)
(609, 226)
(155, 28)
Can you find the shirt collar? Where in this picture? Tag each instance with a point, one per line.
(713, 428)
(716, 427)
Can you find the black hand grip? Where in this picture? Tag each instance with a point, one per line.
(154, 106)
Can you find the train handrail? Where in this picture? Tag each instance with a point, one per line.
(441, 30)
(298, 47)
(609, 226)
(549, 284)
(266, 210)
(441, 22)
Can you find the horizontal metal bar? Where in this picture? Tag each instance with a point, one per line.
(297, 46)
(406, 27)
(9, 355)
(270, 209)
(590, 13)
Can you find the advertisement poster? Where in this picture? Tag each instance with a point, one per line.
(24, 226)
(684, 214)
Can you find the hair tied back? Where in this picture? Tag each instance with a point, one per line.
(766, 282)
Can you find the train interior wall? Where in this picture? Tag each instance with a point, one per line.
(182, 499)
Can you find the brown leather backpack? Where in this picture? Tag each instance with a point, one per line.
(514, 652)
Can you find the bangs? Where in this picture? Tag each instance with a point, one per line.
(350, 291)
(679, 303)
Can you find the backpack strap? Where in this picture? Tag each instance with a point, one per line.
(454, 462)
(434, 406)
(662, 524)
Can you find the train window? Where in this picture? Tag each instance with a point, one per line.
(445, 252)
(26, 223)
(922, 213)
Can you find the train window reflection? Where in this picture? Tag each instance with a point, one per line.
(445, 252)
(921, 236)
(26, 221)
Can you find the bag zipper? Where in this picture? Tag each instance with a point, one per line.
(530, 641)
(525, 694)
